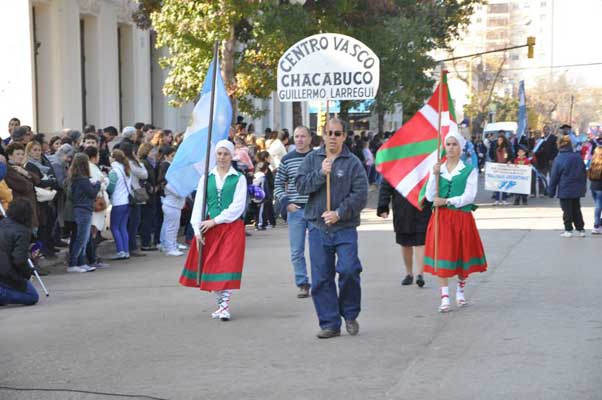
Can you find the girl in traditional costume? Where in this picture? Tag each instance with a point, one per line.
(460, 251)
(221, 232)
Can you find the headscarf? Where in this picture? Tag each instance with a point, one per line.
(456, 135)
(225, 144)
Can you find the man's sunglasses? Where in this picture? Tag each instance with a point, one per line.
(335, 133)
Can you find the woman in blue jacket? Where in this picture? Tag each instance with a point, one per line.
(568, 182)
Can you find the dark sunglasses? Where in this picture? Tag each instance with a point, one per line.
(335, 133)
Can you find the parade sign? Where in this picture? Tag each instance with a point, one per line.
(508, 178)
(328, 66)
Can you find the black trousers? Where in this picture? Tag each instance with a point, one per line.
(571, 214)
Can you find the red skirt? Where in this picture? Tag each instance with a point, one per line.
(460, 248)
(223, 257)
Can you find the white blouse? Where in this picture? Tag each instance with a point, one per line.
(230, 214)
(470, 192)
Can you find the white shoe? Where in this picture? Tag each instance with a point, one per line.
(596, 231)
(505, 203)
(567, 234)
(174, 253)
(224, 315)
(460, 300)
(496, 203)
(444, 307)
(89, 268)
(581, 234)
(182, 247)
(77, 269)
(216, 314)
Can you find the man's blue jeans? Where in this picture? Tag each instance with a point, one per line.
(297, 232)
(9, 295)
(331, 253)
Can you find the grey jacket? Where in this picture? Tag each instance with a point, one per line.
(348, 189)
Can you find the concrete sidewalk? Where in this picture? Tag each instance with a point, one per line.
(533, 330)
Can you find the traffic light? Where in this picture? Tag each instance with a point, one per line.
(321, 121)
(530, 45)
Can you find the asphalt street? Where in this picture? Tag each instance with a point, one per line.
(533, 329)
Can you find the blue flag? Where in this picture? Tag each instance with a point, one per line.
(522, 112)
(188, 165)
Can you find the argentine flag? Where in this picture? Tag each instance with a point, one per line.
(188, 165)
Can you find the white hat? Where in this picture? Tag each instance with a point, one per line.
(225, 144)
(459, 138)
(128, 131)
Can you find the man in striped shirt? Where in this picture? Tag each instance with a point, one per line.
(285, 191)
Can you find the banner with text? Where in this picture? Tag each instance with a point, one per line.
(328, 66)
(508, 178)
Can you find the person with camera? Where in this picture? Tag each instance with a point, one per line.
(15, 272)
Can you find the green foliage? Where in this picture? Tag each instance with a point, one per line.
(400, 32)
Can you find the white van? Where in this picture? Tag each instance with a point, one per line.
(509, 128)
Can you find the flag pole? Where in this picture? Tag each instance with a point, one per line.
(207, 157)
(327, 157)
(439, 105)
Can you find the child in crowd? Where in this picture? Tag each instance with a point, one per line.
(265, 211)
(521, 159)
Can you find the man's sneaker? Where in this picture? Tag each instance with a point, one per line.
(303, 292)
(581, 234)
(174, 253)
(567, 234)
(328, 333)
(408, 280)
(89, 268)
(496, 203)
(182, 247)
(77, 269)
(596, 231)
(353, 328)
(505, 203)
(419, 280)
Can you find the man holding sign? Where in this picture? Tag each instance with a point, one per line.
(333, 230)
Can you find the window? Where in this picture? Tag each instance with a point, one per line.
(498, 8)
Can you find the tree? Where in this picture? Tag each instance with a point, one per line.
(256, 33)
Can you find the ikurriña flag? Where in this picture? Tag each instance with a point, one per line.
(407, 158)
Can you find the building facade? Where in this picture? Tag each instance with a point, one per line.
(75, 62)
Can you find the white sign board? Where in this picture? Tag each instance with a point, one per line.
(508, 178)
(328, 66)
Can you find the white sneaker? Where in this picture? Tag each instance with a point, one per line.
(496, 203)
(77, 269)
(505, 203)
(88, 268)
(567, 234)
(581, 234)
(224, 315)
(174, 253)
(182, 247)
(444, 307)
(460, 300)
(596, 231)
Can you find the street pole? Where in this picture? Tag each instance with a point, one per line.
(571, 110)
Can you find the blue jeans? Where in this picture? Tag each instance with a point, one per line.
(297, 229)
(9, 295)
(500, 196)
(324, 248)
(119, 227)
(133, 225)
(597, 195)
(83, 222)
